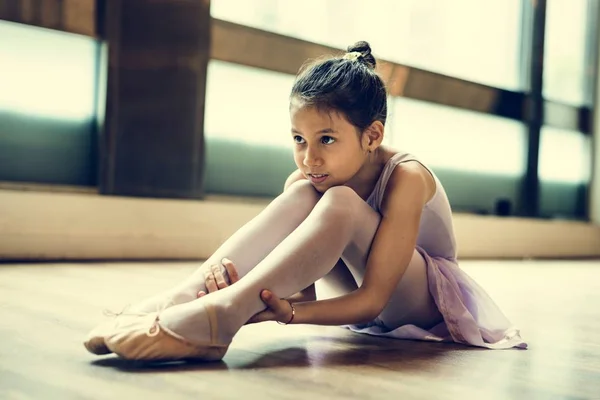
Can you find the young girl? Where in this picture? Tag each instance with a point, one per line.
(372, 225)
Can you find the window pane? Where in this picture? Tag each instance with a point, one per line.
(459, 140)
(470, 39)
(479, 159)
(248, 105)
(47, 100)
(565, 76)
(247, 130)
(564, 156)
(46, 73)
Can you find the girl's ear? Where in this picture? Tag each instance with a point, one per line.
(373, 136)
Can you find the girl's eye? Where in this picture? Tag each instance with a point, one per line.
(298, 139)
(327, 140)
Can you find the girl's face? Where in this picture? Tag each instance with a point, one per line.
(327, 148)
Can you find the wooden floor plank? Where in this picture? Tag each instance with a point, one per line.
(46, 310)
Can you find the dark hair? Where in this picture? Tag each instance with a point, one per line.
(348, 84)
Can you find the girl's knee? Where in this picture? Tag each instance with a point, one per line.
(341, 195)
(342, 201)
(302, 191)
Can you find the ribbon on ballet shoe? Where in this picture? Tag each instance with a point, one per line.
(159, 309)
(154, 328)
(110, 313)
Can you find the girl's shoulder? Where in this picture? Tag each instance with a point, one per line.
(408, 179)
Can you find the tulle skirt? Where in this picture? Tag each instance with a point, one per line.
(470, 315)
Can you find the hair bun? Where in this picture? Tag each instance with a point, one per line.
(364, 49)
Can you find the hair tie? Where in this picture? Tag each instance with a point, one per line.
(354, 55)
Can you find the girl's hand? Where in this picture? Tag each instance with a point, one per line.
(279, 310)
(214, 279)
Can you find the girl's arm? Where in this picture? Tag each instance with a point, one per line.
(353, 308)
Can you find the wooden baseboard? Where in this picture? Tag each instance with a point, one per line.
(87, 226)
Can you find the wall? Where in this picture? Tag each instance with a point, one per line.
(38, 225)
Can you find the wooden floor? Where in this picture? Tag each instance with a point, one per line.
(46, 310)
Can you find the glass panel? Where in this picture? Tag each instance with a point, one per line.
(480, 159)
(248, 105)
(565, 156)
(247, 130)
(454, 139)
(46, 73)
(565, 75)
(563, 200)
(47, 100)
(470, 39)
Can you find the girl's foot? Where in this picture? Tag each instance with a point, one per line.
(210, 280)
(200, 330)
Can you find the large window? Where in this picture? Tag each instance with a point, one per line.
(49, 79)
(471, 39)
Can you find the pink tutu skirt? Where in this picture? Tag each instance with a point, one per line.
(470, 316)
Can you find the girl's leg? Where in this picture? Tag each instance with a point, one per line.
(248, 246)
(411, 302)
(341, 224)
(338, 282)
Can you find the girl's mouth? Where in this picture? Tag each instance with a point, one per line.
(317, 178)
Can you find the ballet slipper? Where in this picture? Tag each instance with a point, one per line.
(143, 338)
(95, 340)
